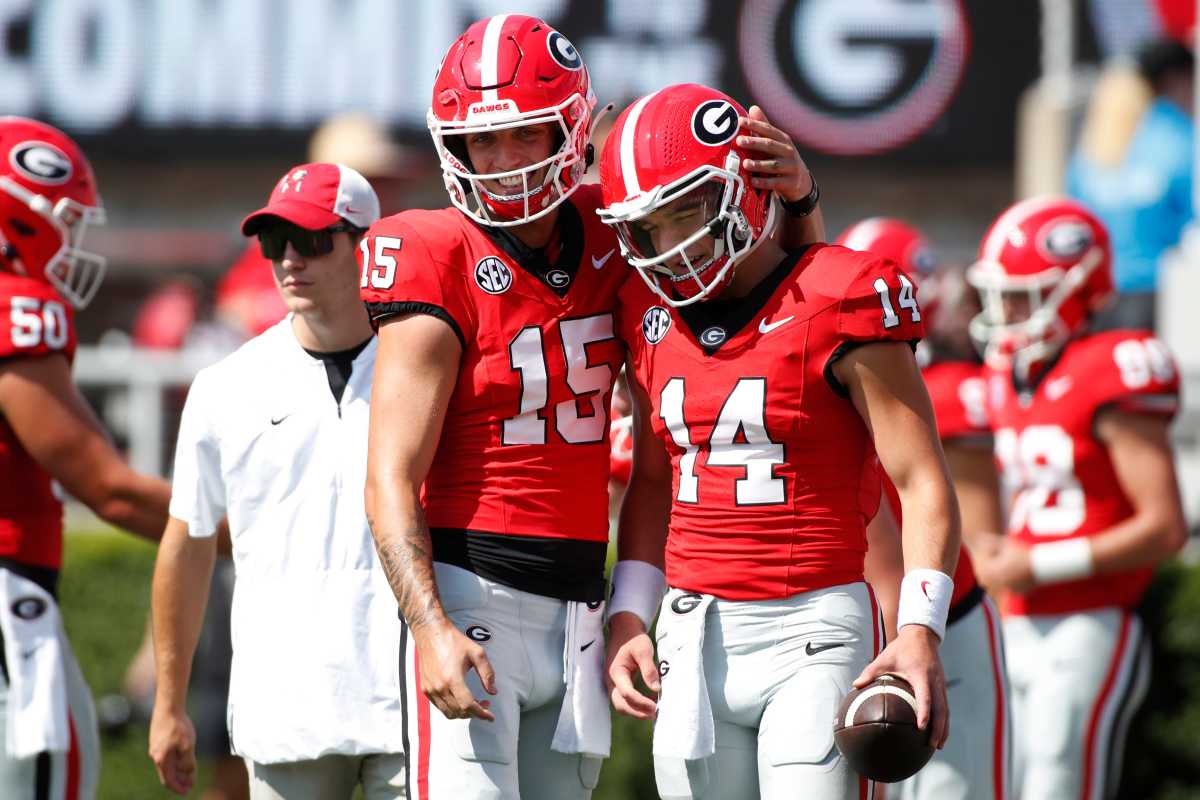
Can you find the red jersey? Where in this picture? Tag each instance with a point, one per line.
(959, 395)
(775, 473)
(1058, 476)
(40, 325)
(524, 449)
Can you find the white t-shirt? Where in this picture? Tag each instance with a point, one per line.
(316, 634)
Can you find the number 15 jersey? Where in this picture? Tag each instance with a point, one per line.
(524, 449)
(774, 471)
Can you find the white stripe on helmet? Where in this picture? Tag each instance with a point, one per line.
(489, 67)
(628, 138)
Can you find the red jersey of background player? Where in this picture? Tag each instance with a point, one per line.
(1059, 476)
(774, 471)
(524, 448)
(958, 392)
(41, 325)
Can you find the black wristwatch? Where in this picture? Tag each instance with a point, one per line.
(805, 205)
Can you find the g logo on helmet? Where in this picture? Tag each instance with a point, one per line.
(655, 324)
(714, 122)
(41, 162)
(562, 51)
(1065, 240)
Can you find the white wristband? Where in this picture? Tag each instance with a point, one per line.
(637, 587)
(925, 600)
(1055, 562)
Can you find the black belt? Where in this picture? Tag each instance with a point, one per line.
(45, 577)
(965, 605)
(566, 569)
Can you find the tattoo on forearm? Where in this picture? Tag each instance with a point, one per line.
(408, 564)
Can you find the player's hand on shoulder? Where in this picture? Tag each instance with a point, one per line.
(1001, 564)
(913, 655)
(778, 164)
(446, 656)
(630, 653)
(173, 748)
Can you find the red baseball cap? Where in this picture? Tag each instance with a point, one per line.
(316, 196)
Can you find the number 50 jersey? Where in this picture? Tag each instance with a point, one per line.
(774, 471)
(524, 448)
(38, 324)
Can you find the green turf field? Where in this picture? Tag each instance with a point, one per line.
(105, 593)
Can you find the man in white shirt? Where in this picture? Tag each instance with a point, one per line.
(274, 436)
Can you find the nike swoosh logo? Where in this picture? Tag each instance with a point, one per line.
(821, 648)
(598, 263)
(763, 327)
(586, 646)
(277, 420)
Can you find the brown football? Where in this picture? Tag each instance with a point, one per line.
(876, 731)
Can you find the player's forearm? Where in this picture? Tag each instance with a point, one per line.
(884, 565)
(136, 503)
(642, 528)
(405, 551)
(1139, 541)
(931, 529)
(179, 594)
(799, 231)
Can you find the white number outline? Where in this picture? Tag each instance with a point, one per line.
(907, 299)
(31, 328)
(383, 260)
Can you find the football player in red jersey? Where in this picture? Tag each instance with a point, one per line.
(1081, 432)
(497, 351)
(765, 383)
(49, 436)
(975, 762)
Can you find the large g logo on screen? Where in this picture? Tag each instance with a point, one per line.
(853, 78)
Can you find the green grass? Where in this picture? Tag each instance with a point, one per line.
(105, 595)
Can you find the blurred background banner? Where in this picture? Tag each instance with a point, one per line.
(239, 79)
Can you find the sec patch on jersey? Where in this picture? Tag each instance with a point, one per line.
(876, 731)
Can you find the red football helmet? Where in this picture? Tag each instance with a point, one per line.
(1044, 268)
(666, 146)
(510, 71)
(898, 241)
(47, 199)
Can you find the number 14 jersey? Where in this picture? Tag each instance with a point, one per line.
(774, 471)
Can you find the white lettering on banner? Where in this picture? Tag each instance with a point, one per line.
(16, 80)
(84, 87)
(197, 46)
(94, 64)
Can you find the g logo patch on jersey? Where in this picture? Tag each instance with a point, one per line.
(41, 162)
(28, 608)
(714, 122)
(655, 324)
(562, 51)
(685, 603)
(478, 633)
(493, 275)
(557, 278)
(711, 337)
(1065, 239)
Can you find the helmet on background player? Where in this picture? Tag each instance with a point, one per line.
(1048, 255)
(509, 71)
(890, 238)
(48, 199)
(677, 143)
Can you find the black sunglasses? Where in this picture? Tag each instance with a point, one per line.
(273, 240)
